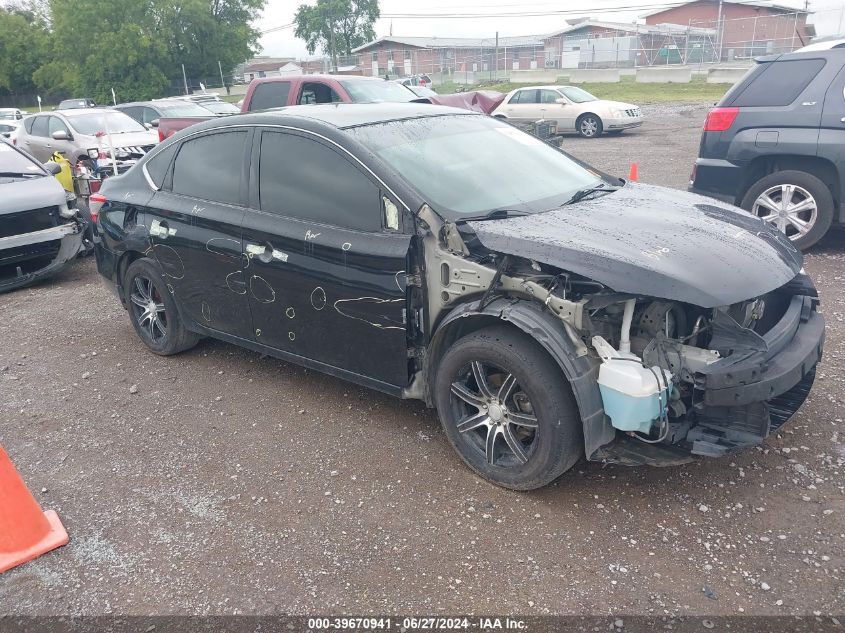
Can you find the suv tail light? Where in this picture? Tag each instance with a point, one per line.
(720, 119)
(160, 136)
(95, 203)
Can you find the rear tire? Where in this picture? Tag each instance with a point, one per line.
(804, 228)
(153, 312)
(521, 400)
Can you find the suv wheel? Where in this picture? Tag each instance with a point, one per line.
(795, 202)
(152, 310)
(589, 126)
(507, 409)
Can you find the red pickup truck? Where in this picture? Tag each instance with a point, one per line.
(275, 92)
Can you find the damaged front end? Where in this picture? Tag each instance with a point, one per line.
(36, 243)
(684, 379)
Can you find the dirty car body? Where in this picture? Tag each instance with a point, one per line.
(39, 233)
(488, 284)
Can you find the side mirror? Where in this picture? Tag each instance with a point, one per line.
(561, 101)
(154, 123)
(61, 135)
(54, 169)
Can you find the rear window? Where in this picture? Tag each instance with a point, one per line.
(779, 83)
(273, 94)
(157, 165)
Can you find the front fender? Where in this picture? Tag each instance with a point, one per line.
(580, 370)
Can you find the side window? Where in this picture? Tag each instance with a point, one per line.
(525, 96)
(317, 93)
(302, 178)
(209, 167)
(27, 124)
(132, 111)
(56, 125)
(148, 116)
(780, 83)
(39, 126)
(548, 96)
(158, 165)
(273, 94)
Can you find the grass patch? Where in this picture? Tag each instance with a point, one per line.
(697, 91)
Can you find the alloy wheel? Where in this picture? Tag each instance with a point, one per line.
(494, 415)
(589, 126)
(148, 308)
(790, 208)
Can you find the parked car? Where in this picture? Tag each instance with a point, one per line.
(218, 107)
(547, 311)
(773, 144)
(276, 92)
(149, 113)
(416, 80)
(572, 108)
(8, 128)
(39, 232)
(422, 91)
(76, 104)
(10, 114)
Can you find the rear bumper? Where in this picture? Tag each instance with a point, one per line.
(719, 179)
(28, 257)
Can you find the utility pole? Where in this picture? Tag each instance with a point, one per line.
(496, 57)
(220, 67)
(719, 31)
(332, 45)
(184, 79)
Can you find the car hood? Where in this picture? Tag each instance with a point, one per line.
(656, 242)
(618, 105)
(128, 139)
(32, 193)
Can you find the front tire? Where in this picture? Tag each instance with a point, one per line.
(589, 125)
(507, 409)
(795, 202)
(152, 310)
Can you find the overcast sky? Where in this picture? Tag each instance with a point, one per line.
(829, 19)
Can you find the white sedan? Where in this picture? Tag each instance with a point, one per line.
(571, 107)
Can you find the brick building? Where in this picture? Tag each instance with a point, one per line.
(748, 28)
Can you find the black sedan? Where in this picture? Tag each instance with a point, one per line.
(548, 311)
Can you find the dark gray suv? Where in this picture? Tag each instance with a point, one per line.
(775, 144)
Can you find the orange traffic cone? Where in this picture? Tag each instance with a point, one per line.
(25, 531)
(634, 174)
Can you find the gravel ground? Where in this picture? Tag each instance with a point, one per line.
(220, 481)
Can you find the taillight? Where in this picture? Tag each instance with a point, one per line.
(95, 203)
(160, 136)
(720, 119)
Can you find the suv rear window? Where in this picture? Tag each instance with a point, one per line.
(273, 94)
(780, 83)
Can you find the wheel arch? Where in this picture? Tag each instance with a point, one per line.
(586, 114)
(581, 371)
(821, 168)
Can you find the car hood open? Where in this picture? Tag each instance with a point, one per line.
(655, 242)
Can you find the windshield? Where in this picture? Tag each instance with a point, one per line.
(114, 122)
(367, 91)
(220, 107)
(8, 115)
(471, 165)
(13, 162)
(577, 95)
(181, 109)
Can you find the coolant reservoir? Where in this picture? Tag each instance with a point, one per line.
(632, 395)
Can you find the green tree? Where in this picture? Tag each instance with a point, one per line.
(336, 26)
(24, 48)
(137, 47)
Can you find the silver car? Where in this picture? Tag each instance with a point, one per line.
(82, 134)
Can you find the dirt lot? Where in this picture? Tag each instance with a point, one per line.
(219, 481)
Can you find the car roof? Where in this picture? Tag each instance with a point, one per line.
(346, 115)
(81, 111)
(152, 103)
(317, 77)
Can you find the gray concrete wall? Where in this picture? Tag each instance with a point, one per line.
(725, 75)
(661, 75)
(535, 76)
(594, 76)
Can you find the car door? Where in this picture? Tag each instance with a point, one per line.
(37, 141)
(66, 147)
(563, 114)
(524, 106)
(325, 274)
(194, 224)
